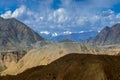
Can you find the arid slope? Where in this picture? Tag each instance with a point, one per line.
(43, 55)
(74, 67)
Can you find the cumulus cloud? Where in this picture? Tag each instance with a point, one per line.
(70, 15)
(18, 12)
(7, 14)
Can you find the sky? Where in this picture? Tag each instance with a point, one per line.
(62, 16)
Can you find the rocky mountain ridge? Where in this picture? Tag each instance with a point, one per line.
(107, 36)
(15, 34)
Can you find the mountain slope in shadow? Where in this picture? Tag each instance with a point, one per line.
(74, 67)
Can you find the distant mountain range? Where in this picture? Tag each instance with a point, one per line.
(79, 37)
(15, 34)
(107, 36)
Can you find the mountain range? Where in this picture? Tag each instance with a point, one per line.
(78, 37)
(54, 58)
(107, 36)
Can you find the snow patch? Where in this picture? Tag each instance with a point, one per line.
(54, 34)
(45, 32)
(67, 32)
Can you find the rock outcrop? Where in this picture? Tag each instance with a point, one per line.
(7, 58)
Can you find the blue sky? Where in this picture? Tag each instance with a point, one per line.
(59, 16)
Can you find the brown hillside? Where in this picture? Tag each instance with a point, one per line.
(49, 53)
(75, 67)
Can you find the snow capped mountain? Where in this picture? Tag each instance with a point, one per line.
(75, 36)
(45, 32)
(67, 32)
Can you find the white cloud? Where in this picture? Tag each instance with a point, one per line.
(18, 12)
(7, 14)
(58, 16)
(82, 21)
(118, 16)
(70, 16)
(81, 31)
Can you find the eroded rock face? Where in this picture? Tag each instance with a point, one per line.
(8, 57)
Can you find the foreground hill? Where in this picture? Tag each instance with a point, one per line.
(109, 35)
(74, 67)
(45, 52)
(15, 34)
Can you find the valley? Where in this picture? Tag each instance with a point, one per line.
(61, 53)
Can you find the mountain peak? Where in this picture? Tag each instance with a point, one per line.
(106, 28)
(14, 33)
(118, 24)
(109, 35)
(116, 27)
(1, 18)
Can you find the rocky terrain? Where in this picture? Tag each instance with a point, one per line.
(8, 58)
(15, 40)
(108, 36)
(14, 35)
(74, 67)
(22, 50)
(45, 52)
